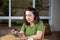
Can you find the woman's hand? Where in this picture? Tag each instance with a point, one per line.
(21, 38)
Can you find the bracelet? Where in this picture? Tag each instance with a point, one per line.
(30, 39)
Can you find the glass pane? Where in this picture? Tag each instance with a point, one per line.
(18, 6)
(16, 22)
(45, 20)
(4, 7)
(3, 23)
(43, 7)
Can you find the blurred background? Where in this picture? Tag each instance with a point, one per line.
(12, 11)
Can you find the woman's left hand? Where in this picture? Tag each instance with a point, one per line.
(21, 38)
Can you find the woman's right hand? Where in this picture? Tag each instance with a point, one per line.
(21, 38)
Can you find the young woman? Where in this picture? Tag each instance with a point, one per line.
(32, 27)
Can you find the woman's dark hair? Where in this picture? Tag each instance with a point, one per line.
(35, 13)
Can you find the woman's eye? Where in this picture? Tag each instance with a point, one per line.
(28, 15)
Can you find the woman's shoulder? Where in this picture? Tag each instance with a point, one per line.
(40, 21)
(24, 24)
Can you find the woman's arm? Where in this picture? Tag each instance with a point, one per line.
(21, 36)
(37, 36)
(22, 33)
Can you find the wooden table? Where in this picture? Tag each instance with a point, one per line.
(8, 37)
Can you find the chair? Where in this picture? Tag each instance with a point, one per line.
(42, 38)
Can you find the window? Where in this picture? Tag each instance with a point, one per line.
(13, 10)
(18, 6)
(43, 7)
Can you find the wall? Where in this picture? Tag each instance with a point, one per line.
(56, 15)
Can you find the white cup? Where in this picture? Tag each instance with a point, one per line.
(30, 39)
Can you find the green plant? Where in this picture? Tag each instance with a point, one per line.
(39, 4)
(17, 24)
(4, 22)
(4, 5)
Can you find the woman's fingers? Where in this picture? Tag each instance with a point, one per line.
(18, 38)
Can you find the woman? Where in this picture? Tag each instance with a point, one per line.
(32, 26)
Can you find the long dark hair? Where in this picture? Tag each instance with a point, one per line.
(34, 12)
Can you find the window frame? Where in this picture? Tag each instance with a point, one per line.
(21, 17)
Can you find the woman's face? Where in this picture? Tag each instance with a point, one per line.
(29, 16)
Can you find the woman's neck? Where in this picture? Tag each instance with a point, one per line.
(32, 23)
